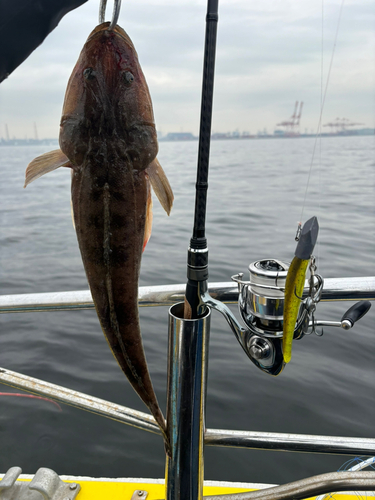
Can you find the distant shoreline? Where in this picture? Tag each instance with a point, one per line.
(29, 142)
(182, 137)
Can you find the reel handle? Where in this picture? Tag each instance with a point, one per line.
(356, 312)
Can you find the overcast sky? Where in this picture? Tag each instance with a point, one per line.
(269, 55)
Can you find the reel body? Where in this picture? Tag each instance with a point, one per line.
(261, 306)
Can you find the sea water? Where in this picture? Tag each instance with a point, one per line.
(256, 193)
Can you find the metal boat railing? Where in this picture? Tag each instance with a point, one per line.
(309, 487)
(335, 289)
(307, 443)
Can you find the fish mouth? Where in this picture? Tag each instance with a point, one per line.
(135, 126)
(68, 118)
(117, 31)
(65, 118)
(148, 124)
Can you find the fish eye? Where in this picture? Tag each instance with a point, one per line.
(89, 73)
(128, 77)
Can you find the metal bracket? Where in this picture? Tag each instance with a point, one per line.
(45, 485)
(139, 495)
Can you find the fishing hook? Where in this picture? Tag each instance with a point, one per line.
(316, 284)
(115, 13)
(315, 287)
(315, 293)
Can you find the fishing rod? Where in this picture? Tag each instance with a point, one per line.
(197, 262)
(262, 299)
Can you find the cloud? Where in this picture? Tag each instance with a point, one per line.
(268, 56)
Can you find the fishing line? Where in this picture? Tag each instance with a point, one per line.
(320, 130)
(32, 396)
(321, 110)
(360, 463)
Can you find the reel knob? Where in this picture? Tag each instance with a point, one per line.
(354, 313)
(259, 348)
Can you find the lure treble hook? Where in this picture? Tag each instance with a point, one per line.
(115, 13)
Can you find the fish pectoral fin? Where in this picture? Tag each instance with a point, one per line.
(148, 224)
(160, 185)
(72, 213)
(45, 163)
(71, 207)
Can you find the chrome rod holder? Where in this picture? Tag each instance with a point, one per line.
(186, 396)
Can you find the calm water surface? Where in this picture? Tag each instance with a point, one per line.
(254, 202)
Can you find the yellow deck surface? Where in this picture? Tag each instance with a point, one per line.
(112, 489)
(92, 490)
(123, 489)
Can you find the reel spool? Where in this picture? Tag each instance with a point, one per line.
(261, 300)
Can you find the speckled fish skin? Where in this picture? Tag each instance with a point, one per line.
(108, 134)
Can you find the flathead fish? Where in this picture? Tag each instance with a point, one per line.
(108, 139)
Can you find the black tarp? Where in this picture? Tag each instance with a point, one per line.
(24, 24)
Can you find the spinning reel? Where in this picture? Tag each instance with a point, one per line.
(261, 305)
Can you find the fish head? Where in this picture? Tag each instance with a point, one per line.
(107, 101)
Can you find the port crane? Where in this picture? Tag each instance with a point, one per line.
(292, 124)
(340, 125)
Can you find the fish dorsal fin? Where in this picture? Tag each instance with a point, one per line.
(160, 185)
(148, 224)
(45, 163)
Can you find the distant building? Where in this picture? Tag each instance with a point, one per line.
(365, 131)
(218, 136)
(179, 136)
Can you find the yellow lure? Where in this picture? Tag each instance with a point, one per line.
(294, 285)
